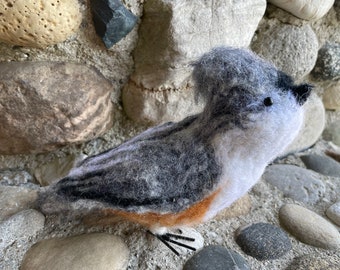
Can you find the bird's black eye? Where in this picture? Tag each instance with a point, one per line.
(268, 101)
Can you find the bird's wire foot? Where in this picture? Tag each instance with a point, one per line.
(168, 238)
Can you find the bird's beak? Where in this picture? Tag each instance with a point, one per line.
(302, 92)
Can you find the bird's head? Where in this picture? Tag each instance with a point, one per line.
(242, 90)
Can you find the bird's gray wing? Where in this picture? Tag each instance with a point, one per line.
(164, 172)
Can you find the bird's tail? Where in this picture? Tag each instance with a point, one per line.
(50, 202)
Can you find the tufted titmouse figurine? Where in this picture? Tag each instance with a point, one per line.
(182, 174)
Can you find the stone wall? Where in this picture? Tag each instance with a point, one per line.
(147, 72)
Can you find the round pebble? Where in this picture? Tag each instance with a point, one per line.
(216, 258)
(309, 227)
(291, 48)
(295, 182)
(98, 251)
(333, 213)
(263, 241)
(322, 164)
(314, 262)
(327, 66)
(16, 233)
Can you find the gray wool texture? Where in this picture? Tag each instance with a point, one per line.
(169, 167)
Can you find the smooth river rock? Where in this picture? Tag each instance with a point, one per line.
(309, 227)
(307, 10)
(98, 251)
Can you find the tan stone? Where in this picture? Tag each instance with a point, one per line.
(147, 106)
(50, 172)
(14, 199)
(46, 105)
(309, 227)
(239, 208)
(98, 251)
(331, 96)
(38, 23)
(172, 35)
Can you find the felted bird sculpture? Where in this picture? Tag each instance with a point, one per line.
(184, 173)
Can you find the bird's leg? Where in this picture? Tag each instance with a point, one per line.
(168, 238)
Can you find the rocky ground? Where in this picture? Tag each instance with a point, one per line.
(290, 238)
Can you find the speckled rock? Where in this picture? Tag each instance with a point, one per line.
(45, 105)
(263, 241)
(292, 49)
(309, 227)
(331, 96)
(322, 164)
(216, 258)
(17, 230)
(327, 66)
(98, 251)
(295, 182)
(307, 10)
(315, 262)
(333, 213)
(38, 23)
(312, 127)
(160, 88)
(15, 199)
(15, 178)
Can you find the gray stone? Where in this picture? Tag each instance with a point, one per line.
(309, 227)
(18, 229)
(46, 105)
(15, 178)
(322, 164)
(15, 199)
(263, 241)
(312, 127)
(315, 262)
(333, 213)
(98, 251)
(327, 66)
(292, 49)
(112, 20)
(332, 132)
(295, 182)
(216, 258)
(172, 35)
